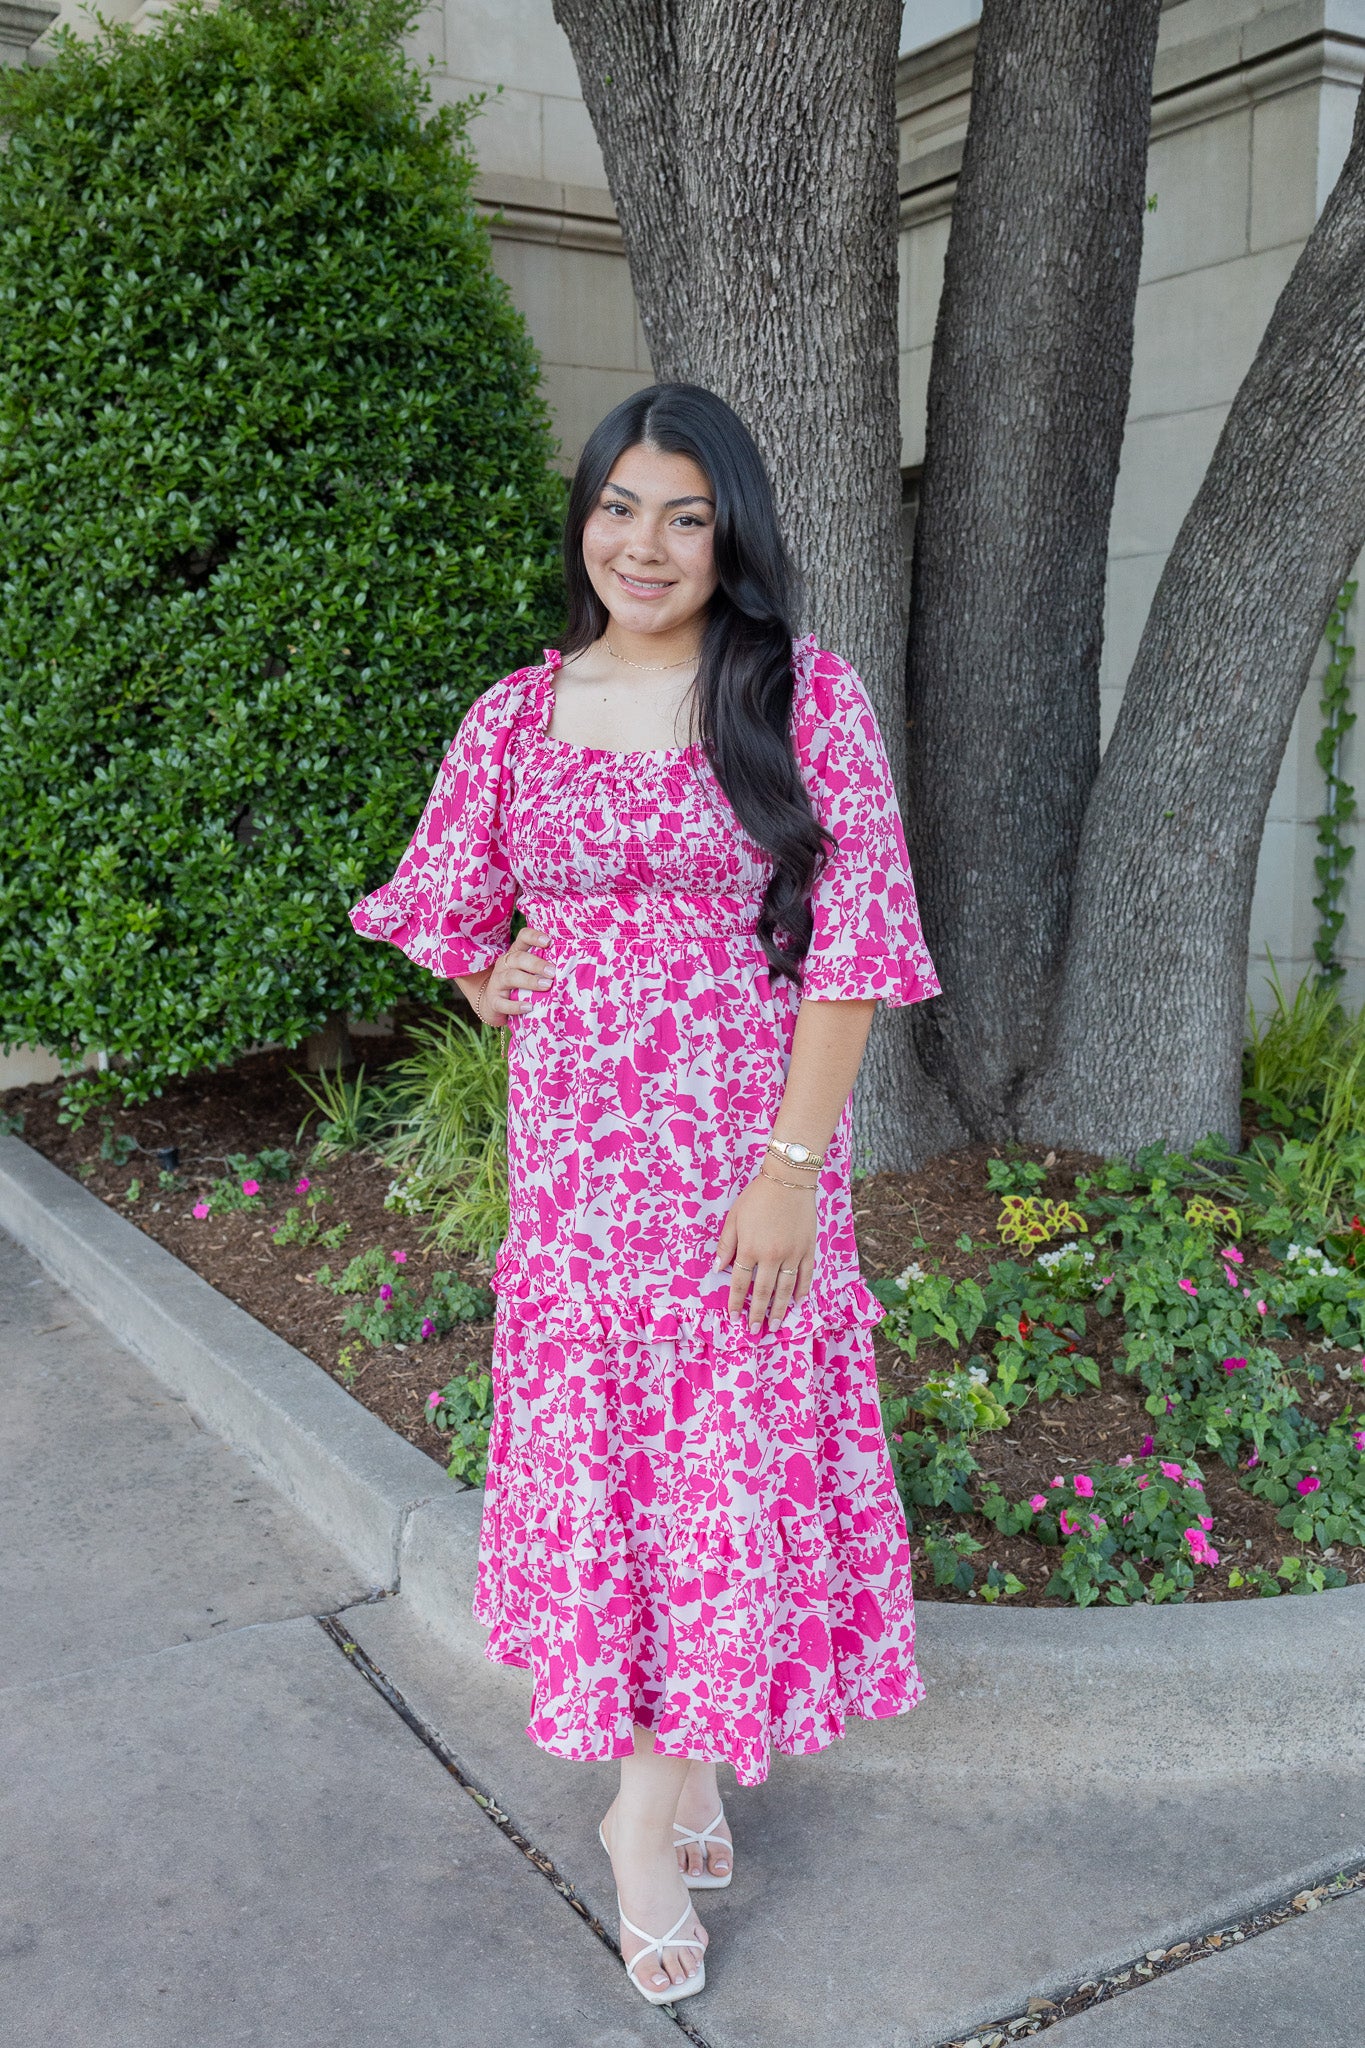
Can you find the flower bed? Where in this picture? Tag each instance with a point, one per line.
(1241, 1361)
(1067, 1419)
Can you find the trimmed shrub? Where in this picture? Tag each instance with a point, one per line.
(277, 494)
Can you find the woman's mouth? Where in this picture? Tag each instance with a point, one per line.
(639, 586)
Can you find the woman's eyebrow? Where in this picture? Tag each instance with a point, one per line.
(697, 497)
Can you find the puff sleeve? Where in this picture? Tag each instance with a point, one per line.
(449, 905)
(867, 943)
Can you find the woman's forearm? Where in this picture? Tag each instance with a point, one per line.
(827, 1050)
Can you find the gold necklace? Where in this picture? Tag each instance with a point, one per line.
(654, 668)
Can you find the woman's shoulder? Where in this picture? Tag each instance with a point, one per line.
(828, 693)
(500, 705)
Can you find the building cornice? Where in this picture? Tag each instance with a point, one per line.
(538, 210)
(23, 21)
(1305, 43)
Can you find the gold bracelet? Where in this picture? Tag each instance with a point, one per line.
(804, 1187)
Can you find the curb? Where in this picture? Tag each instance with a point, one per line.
(1251, 1686)
(358, 1481)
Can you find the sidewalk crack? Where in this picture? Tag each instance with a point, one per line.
(488, 1806)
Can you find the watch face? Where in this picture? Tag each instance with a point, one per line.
(796, 1153)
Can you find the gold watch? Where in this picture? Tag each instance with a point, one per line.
(796, 1154)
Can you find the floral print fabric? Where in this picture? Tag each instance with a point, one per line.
(687, 1527)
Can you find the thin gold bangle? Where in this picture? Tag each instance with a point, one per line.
(803, 1187)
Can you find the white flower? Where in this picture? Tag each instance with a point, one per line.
(978, 1373)
(913, 1272)
(1065, 1251)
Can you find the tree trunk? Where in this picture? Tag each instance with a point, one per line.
(751, 153)
(1148, 1032)
(1028, 393)
(329, 1049)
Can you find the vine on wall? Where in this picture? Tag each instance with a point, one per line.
(1340, 811)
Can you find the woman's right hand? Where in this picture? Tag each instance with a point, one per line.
(506, 990)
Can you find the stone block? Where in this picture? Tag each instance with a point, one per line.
(579, 397)
(578, 303)
(1195, 334)
(1201, 177)
(570, 143)
(1285, 200)
(1163, 465)
(922, 250)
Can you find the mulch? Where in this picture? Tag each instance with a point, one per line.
(257, 1104)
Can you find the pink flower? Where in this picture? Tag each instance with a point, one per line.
(1253, 1460)
(251, 1187)
(1359, 1439)
(1230, 1277)
(1038, 1502)
(386, 1292)
(428, 1327)
(1309, 1483)
(1171, 1471)
(1096, 1520)
(433, 1399)
(1055, 1482)
(1146, 1447)
(1260, 1306)
(1201, 1550)
(302, 1185)
(399, 1258)
(201, 1210)
(1234, 1365)
(897, 1437)
(1144, 1481)
(1084, 1486)
(1170, 1405)
(1230, 1251)
(1069, 1528)
(1197, 1484)
(1127, 1458)
(1204, 1521)
(1105, 1280)
(1189, 1287)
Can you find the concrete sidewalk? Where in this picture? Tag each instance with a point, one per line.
(217, 1831)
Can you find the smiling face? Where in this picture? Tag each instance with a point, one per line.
(648, 545)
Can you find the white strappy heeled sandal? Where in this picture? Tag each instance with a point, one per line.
(705, 1880)
(655, 1944)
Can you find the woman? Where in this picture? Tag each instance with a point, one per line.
(691, 1534)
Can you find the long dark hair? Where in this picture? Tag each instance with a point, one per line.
(744, 681)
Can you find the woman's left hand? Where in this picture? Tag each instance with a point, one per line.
(768, 1239)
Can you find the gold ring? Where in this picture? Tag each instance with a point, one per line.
(789, 1269)
(744, 1269)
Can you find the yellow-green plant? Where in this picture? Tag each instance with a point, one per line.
(448, 1102)
(1028, 1220)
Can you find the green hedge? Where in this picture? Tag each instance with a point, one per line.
(277, 502)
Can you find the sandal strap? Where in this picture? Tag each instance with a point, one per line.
(657, 1943)
(702, 1837)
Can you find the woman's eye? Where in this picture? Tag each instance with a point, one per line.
(615, 505)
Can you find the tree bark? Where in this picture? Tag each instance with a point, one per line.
(751, 153)
(1148, 1031)
(1028, 393)
(329, 1049)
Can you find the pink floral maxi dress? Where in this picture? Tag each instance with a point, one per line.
(687, 1527)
